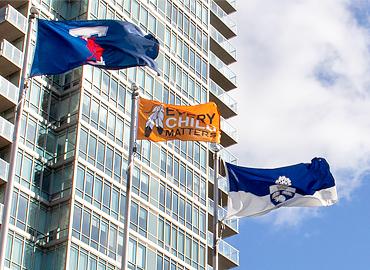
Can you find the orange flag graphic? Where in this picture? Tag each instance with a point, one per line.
(162, 122)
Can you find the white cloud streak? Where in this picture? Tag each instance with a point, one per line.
(304, 89)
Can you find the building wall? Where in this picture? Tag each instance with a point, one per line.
(68, 203)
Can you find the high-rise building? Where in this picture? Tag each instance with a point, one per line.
(70, 180)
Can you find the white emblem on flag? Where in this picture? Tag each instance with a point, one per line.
(89, 34)
(155, 119)
(282, 191)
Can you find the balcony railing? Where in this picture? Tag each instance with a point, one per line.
(223, 42)
(223, 96)
(232, 3)
(227, 156)
(6, 129)
(13, 16)
(14, 3)
(228, 5)
(227, 250)
(11, 52)
(1, 212)
(222, 181)
(229, 129)
(222, 67)
(223, 16)
(232, 223)
(4, 168)
(9, 90)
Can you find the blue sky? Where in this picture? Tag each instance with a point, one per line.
(304, 91)
(336, 239)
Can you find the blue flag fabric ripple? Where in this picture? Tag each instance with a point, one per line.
(258, 191)
(108, 44)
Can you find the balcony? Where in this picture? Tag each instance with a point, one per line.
(222, 22)
(16, 3)
(226, 104)
(222, 47)
(1, 212)
(223, 185)
(232, 226)
(13, 24)
(227, 156)
(10, 58)
(6, 132)
(222, 181)
(229, 6)
(4, 168)
(8, 94)
(229, 134)
(229, 255)
(221, 74)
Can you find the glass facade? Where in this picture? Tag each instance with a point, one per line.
(70, 180)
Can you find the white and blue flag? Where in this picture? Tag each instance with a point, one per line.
(258, 191)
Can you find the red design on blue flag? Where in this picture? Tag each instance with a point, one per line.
(90, 42)
(95, 49)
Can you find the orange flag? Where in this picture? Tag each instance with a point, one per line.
(162, 122)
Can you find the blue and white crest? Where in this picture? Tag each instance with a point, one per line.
(282, 191)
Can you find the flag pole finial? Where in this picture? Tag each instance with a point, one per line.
(34, 13)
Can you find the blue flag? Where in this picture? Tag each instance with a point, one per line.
(258, 191)
(108, 44)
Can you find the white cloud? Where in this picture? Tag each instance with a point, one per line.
(304, 88)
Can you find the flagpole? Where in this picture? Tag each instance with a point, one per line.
(131, 154)
(215, 147)
(13, 153)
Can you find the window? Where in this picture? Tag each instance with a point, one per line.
(103, 119)
(89, 187)
(121, 96)
(154, 188)
(182, 210)
(98, 186)
(80, 181)
(117, 166)
(106, 198)
(188, 215)
(94, 113)
(109, 161)
(113, 90)
(22, 212)
(152, 230)
(144, 185)
(112, 242)
(143, 216)
(83, 143)
(103, 236)
(141, 256)
(115, 203)
(111, 125)
(161, 197)
(17, 251)
(86, 226)
(86, 107)
(182, 176)
(100, 156)
(95, 227)
(77, 216)
(134, 215)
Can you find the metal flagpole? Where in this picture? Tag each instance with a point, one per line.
(13, 154)
(131, 153)
(216, 149)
